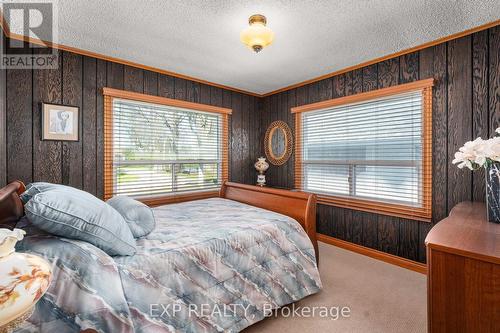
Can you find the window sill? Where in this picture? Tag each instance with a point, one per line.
(179, 197)
(378, 207)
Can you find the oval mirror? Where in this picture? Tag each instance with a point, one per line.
(278, 143)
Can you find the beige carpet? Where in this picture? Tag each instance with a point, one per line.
(382, 297)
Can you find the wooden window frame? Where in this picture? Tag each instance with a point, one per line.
(110, 94)
(423, 213)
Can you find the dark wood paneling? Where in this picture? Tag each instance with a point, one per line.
(388, 234)
(47, 155)
(313, 92)
(19, 125)
(369, 222)
(338, 85)
(388, 73)
(466, 104)
(165, 86)
(150, 83)
(357, 227)
(440, 133)
(348, 82)
(357, 81)
(245, 148)
(479, 103)
(133, 79)
(408, 239)
(72, 82)
(194, 92)
(89, 125)
(370, 77)
(236, 139)
(180, 89)
(204, 94)
(216, 96)
(459, 116)
(339, 222)
(408, 67)
(3, 119)
(325, 89)
(494, 78)
(114, 77)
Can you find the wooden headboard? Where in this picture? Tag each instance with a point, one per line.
(300, 206)
(11, 207)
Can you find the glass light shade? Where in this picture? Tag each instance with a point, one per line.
(257, 36)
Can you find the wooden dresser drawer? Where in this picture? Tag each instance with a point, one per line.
(463, 253)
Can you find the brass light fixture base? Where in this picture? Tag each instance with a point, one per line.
(257, 18)
(257, 48)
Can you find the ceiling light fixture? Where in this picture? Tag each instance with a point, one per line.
(257, 35)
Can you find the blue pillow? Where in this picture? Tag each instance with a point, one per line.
(76, 214)
(139, 217)
(34, 188)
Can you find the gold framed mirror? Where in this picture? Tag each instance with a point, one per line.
(278, 143)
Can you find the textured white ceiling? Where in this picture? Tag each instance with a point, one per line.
(201, 38)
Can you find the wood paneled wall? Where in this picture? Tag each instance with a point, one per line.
(3, 120)
(466, 104)
(79, 81)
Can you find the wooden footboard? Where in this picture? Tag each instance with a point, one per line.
(300, 206)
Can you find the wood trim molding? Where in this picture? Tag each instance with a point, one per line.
(116, 93)
(375, 254)
(108, 147)
(298, 153)
(423, 213)
(387, 57)
(9, 34)
(377, 93)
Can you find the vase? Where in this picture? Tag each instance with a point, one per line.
(24, 278)
(493, 192)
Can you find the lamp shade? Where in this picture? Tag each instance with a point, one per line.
(257, 35)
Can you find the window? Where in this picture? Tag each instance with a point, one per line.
(162, 148)
(370, 151)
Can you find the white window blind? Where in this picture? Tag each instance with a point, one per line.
(370, 150)
(158, 149)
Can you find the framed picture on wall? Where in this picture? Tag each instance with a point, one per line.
(59, 122)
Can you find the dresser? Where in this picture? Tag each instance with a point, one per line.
(463, 256)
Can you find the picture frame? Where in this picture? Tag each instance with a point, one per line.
(60, 122)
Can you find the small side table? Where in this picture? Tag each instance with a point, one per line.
(24, 279)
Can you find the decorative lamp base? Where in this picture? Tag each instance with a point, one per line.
(261, 180)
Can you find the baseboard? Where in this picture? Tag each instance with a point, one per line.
(375, 254)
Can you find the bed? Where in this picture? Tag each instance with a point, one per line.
(217, 264)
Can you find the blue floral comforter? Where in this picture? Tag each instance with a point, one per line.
(209, 265)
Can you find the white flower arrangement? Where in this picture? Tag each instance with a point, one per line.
(479, 153)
